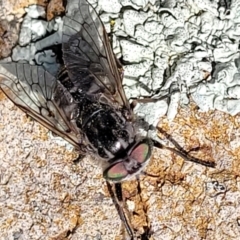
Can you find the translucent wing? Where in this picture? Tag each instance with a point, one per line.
(88, 56)
(42, 97)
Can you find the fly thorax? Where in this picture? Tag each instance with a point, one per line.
(108, 132)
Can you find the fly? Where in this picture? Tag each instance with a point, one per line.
(85, 103)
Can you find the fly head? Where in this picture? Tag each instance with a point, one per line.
(131, 163)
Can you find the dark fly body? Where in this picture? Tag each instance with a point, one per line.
(85, 103)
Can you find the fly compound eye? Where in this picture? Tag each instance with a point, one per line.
(116, 172)
(139, 154)
(142, 151)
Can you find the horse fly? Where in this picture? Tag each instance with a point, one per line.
(85, 103)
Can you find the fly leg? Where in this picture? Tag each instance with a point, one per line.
(160, 143)
(147, 229)
(118, 200)
(179, 150)
(79, 158)
(164, 94)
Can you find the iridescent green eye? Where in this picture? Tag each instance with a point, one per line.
(132, 164)
(141, 152)
(115, 172)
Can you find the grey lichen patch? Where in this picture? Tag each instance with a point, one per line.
(16, 7)
(167, 48)
(32, 46)
(221, 94)
(11, 13)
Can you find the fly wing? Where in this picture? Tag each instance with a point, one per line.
(41, 96)
(88, 56)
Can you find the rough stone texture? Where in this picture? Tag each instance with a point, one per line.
(193, 201)
(11, 13)
(45, 195)
(16, 7)
(8, 37)
(54, 8)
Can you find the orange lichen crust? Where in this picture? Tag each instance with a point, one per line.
(178, 197)
(8, 37)
(54, 8)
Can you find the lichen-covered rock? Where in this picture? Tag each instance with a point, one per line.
(55, 8)
(8, 36)
(176, 50)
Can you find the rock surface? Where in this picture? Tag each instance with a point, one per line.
(45, 194)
